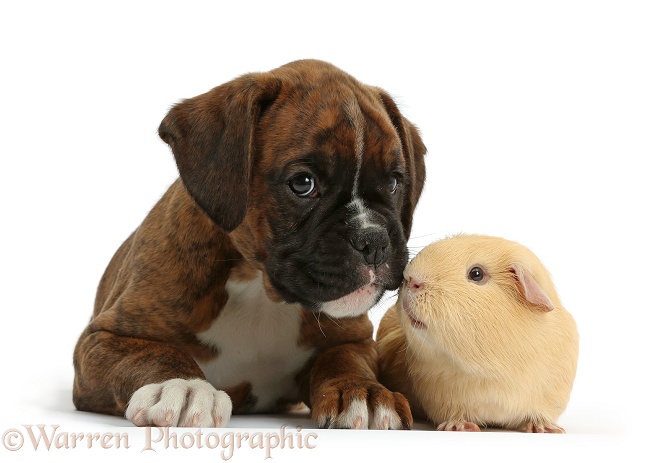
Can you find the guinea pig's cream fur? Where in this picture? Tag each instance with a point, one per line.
(479, 337)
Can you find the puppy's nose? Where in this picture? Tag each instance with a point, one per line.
(373, 243)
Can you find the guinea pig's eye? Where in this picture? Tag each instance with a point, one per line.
(303, 185)
(476, 274)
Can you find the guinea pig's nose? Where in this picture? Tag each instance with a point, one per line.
(414, 284)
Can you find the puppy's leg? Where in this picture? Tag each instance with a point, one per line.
(152, 382)
(345, 393)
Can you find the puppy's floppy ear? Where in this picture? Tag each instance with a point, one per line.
(212, 139)
(414, 151)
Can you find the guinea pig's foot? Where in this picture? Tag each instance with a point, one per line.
(459, 425)
(360, 405)
(538, 427)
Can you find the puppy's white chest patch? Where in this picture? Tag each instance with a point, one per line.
(257, 342)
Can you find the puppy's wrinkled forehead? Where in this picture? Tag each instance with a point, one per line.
(333, 120)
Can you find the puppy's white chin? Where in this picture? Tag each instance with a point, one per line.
(354, 304)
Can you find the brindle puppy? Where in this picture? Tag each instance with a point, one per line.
(249, 281)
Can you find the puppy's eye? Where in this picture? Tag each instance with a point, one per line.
(476, 275)
(303, 185)
(393, 184)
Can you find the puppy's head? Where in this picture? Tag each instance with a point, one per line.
(314, 175)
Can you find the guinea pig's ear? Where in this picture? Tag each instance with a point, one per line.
(212, 139)
(414, 151)
(530, 289)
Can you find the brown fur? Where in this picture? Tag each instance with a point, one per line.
(166, 283)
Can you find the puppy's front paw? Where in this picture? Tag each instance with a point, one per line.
(179, 402)
(360, 404)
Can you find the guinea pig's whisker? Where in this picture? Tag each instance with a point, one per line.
(414, 250)
(317, 317)
(333, 320)
(423, 236)
(379, 306)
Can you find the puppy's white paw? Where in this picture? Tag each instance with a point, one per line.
(355, 417)
(384, 418)
(179, 402)
(357, 404)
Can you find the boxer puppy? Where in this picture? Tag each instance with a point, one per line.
(246, 287)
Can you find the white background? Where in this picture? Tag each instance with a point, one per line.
(543, 122)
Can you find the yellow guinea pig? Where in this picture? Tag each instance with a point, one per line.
(479, 337)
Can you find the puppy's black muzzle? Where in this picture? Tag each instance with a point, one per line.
(373, 243)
